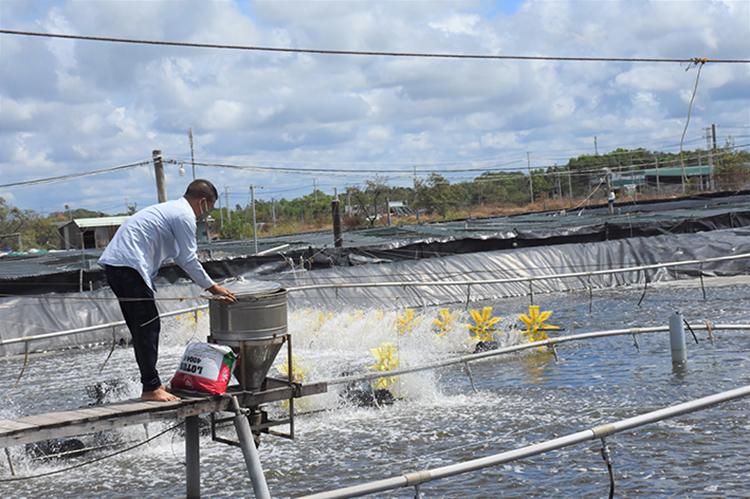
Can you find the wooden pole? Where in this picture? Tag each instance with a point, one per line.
(338, 240)
(161, 184)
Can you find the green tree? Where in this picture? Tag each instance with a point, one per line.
(732, 167)
(370, 201)
(437, 194)
(35, 231)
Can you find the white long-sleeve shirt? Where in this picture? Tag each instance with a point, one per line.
(154, 235)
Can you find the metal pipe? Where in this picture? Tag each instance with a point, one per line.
(526, 346)
(418, 477)
(91, 328)
(192, 457)
(252, 459)
(271, 250)
(293, 289)
(255, 224)
(513, 279)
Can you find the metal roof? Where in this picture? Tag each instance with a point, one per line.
(86, 223)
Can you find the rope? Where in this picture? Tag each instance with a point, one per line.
(690, 108)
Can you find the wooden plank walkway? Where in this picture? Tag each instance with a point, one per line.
(93, 419)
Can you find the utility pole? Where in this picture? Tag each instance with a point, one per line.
(338, 240)
(388, 211)
(658, 184)
(709, 134)
(273, 212)
(596, 150)
(570, 189)
(161, 184)
(416, 193)
(221, 214)
(226, 196)
(255, 229)
(713, 134)
(192, 151)
(610, 194)
(315, 191)
(531, 183)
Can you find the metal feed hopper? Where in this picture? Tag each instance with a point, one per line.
(255, 327)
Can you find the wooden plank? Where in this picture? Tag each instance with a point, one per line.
(94, 419)
(10, 425)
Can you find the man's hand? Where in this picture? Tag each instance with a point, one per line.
(224, 293)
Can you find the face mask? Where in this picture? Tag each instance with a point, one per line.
(203, 205)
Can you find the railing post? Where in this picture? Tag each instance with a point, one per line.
(677, 339)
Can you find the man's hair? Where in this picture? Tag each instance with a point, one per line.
(201, 188)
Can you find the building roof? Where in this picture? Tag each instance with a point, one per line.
(87, 223)
(677, 172)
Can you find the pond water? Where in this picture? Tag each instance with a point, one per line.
(438, 419)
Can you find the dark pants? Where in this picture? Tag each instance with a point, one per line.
(139, 309)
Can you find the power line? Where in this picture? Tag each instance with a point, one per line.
(694, 60)
(73, 176)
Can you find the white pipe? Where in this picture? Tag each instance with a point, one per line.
(513, 279)
(404, 284)
(419, 477)
(264, 252)
(91, 328)
(677, 339)
(525, 346)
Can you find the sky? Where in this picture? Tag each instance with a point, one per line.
(290, 122)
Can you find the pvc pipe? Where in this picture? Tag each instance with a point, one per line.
(403, 284)
(524, 346)
(252, 458)
(45, 336)
(418, 477)
(623, 270)
(677, 339)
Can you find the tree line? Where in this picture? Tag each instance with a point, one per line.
(435, 196)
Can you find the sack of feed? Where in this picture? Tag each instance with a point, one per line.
(205, 368)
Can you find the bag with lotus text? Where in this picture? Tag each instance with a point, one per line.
(205, 368)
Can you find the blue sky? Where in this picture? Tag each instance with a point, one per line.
(72, 106)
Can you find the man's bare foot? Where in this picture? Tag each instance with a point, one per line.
(159, 395)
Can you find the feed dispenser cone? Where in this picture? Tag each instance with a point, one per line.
(255, 327)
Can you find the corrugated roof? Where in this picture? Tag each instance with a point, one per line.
(86, 223)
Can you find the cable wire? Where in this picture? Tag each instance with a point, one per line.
(695, 60)
(73, 176)
(81, 465)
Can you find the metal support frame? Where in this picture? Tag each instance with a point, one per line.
(250, 452)
(192, 457)
(261, 423)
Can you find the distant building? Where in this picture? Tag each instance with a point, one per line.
(87, 233)
(398, 209)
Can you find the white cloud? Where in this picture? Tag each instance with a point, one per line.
(90, 105)
(34, 161)
(14, 111)
(457, 24)
(416, 142)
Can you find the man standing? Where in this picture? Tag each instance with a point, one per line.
(142, 244)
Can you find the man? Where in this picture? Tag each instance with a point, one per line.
(132, 259)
